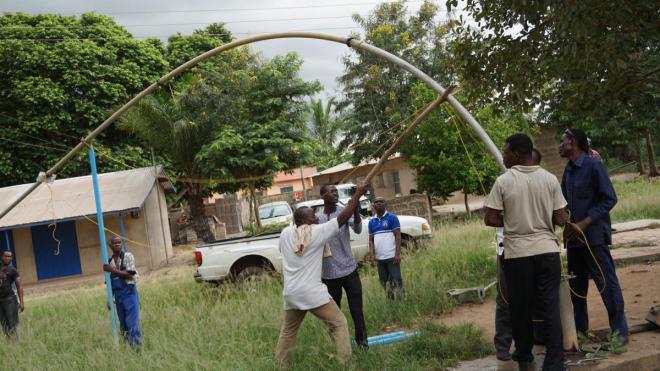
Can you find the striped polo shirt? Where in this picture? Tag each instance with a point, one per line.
(383, 231)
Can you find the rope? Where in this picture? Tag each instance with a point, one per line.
(585, 241)
(54, 223)
(467, 153)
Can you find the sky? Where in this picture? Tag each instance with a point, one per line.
(162, 18)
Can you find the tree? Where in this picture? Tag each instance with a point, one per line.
(378, 94)
(59, 78)
(574, 62)
(265, 132)
(326, 128)
(446, 156)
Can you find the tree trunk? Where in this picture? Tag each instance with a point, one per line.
(198, 215)
(253, 194)
(639, 157)
(467, 204)
(653, 170)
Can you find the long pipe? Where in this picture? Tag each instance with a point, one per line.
(351, 42)
(104, 251)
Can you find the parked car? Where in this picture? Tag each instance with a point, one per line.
(278, 212)
(240, 258)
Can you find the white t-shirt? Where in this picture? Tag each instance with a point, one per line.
(528, 195)
(303, 288)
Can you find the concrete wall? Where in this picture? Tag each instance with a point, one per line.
(415, 204)
(546, 140)
(157, 227)
(24, 254)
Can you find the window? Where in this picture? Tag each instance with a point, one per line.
(288, 189)
(397, 182)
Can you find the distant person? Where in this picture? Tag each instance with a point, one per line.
(527, 201)
(9, 305)
(339, 267)
(123, 274)
(302, 250)
(592, 152)
(385, 248)
(590, 196)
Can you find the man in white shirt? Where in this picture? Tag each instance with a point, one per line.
(302, 249)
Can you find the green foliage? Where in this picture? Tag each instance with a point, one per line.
(637, 200)
(325, 128)
(446, 155)
(59, 78)
(261, 129)
(587, 63)
(379, 93)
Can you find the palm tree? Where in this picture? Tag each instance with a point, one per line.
(323, 125)
(162, 122)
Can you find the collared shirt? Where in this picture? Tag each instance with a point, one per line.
(528, 195)
(129, 265)
(341, 263)
(383, 231)
(303, 288)
(589, 192)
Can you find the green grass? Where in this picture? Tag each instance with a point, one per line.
(638, 199)
(192, 326)
(188, 326)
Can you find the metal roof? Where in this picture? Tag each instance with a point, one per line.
(73, 198)
(347, 166)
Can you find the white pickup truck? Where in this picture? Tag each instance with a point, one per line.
(240, 258)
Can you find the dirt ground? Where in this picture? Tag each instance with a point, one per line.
(640, 288)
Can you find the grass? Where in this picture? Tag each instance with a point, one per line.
(188, 326)
(638, 199)
(192, 326)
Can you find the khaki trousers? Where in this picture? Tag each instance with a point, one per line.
(328, 313)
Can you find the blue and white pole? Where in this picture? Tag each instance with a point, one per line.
(104, 247)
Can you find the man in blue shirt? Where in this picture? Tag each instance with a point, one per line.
(590, 196)
(385, 248)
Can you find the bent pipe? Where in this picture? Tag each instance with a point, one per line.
(351, 42)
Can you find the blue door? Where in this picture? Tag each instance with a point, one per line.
(50, 265)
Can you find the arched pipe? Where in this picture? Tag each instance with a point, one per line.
(351, 42)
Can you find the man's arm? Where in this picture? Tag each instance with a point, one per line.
(494, 218)
(372, 249)
(606, 194)
(397, 246)
(357, 220)
(19, 288)
(560, 216)
(348, 211)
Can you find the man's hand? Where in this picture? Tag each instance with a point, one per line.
(21, 306)
(108, 268)
(362, 189)
(397, 258)
(584, 224)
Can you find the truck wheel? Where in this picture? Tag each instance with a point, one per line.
(250, 274)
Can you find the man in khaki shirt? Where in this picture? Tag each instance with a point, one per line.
(527, 201)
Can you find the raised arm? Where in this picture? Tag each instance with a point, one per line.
(348, 211)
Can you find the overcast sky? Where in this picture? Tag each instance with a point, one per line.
(161, 18)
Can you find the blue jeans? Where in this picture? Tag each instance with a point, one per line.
(582, 265)
(128, 311)
(390, 277)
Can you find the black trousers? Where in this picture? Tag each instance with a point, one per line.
(503, 336)
(353, 287)
(582, 265)
(533, 284)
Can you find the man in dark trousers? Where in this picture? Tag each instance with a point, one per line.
(124, 276)
(9, 306)
(527, 201)
(590, 197)
(340, 268)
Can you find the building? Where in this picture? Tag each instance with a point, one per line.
(396, 178)
(291, 182)
(53, 232)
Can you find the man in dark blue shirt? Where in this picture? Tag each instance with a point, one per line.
(590, 196)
